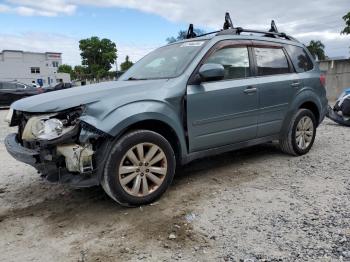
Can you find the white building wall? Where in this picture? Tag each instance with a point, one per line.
(16, 66)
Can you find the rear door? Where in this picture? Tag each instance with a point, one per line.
(277, 84)
(225, 111)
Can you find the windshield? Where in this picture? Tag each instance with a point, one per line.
(166, 62)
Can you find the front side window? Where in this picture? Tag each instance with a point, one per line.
(271, 61)
(300, 58)
(165, 62)
(235, 61)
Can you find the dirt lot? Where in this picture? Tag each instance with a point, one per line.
(250, 205)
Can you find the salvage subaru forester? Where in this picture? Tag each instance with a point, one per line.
(187, 100)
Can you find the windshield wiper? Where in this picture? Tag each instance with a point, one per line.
(134, 78)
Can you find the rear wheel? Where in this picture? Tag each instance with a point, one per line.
(139, 169)
(301, 134)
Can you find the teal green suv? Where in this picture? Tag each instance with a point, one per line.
(205, 95)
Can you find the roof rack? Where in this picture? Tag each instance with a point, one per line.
(229, 29)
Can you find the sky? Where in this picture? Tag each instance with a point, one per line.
(139, 26)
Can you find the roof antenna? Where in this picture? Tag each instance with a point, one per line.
(190, 32)
(228, 22)
(273, 28)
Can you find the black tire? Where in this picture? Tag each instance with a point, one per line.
(288, 143)
(111, 178)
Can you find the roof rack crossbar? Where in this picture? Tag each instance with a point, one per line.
(228, 28)
(214, 32)
(239, 30)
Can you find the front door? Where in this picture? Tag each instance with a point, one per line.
(223, 112)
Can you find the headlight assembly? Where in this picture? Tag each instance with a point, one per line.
(45, 127)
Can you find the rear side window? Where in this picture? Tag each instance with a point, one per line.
(300, 58)
(235, 61)
(271, 61)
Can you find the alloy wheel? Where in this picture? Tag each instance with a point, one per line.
(304, 132)
(142, 169)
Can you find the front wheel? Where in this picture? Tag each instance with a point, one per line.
(139, 169)
(301, 134)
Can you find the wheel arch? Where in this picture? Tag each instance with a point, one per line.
(313, 108)
(306, 99)
(160, 127)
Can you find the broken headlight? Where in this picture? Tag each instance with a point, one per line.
(51, 126)
(47, 129)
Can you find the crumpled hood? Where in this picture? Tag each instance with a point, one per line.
(114, 93)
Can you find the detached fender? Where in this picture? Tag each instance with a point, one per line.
(306, 95)
(118, 120)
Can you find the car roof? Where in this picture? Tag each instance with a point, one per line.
(242, 37)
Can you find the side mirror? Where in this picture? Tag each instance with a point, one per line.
(210, 72)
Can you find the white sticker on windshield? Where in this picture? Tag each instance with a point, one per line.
(195, 43)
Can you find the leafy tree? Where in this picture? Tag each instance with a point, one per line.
(98, 55)
(126, 64)
(346, 30)
(80, 72)
(182, 35)
(66, 69)
(316, 48)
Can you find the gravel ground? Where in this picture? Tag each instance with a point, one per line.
(255, 204)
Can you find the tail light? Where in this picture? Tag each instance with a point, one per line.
(323, 79)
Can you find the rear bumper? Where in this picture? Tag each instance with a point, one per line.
(17, 151)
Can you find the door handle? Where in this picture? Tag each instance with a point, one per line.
(250, 90)
(295, 84)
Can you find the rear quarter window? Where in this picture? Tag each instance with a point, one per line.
(300, 58)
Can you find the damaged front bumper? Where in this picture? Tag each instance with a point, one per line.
(67, 162)
(20, 153)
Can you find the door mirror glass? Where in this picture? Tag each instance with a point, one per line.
(211, 72)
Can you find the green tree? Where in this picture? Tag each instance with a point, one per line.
(126, 64)
(80, 72)
(346, 30)
(97, 55)
(66, 69)
(316, 49)
(182, 35)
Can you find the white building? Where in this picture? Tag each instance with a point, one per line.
(30, 67)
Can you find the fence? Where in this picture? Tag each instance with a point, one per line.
(337, 76)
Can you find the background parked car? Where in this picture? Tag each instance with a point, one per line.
(13, 91)
(59, 86)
